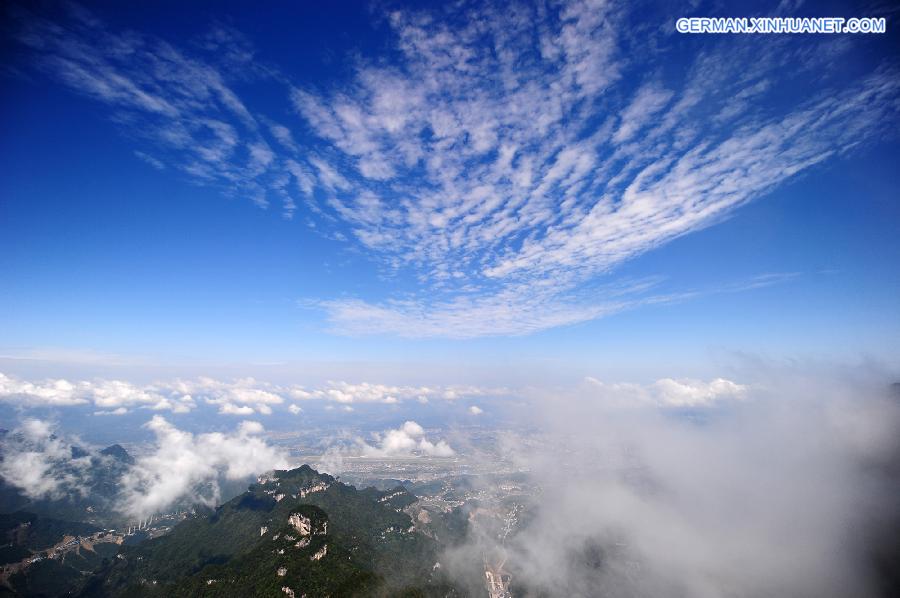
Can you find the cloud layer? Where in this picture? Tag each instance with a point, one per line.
(242, 396)
(248, 396)
(108, 396)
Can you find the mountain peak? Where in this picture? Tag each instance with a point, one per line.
(116, 451)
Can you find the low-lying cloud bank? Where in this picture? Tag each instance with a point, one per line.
(242, 396)
(105, 395)
(180, 469)
(667, 392)
(789, 491)
(249, 396)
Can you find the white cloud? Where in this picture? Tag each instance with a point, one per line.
(40, 463)
(108, 396)
(476, 410)
(696, 393)
(180, 467)
(246, 396)
(177, 102)
(407, 440)
(184, 466)
(669, 393)
(347, 393)
(231, 409)
(511, 211)
(49, 392)
(116, 411)
(523, 160)
(647, 102)
(242, 396)
(240, 390)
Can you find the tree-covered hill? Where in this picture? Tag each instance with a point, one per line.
(363, 544)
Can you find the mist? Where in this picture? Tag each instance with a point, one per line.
(780, 481)
(786, 486)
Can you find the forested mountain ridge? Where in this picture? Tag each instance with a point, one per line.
(292, 533)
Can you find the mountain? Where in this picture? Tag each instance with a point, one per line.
(97, 476)
(29, 537)
(118, 453)
(50, 545)
(293, 533)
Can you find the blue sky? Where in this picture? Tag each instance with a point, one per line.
(465, 195)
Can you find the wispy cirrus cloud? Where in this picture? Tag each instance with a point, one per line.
(506, 158)
(514, 177)
(179, 104)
